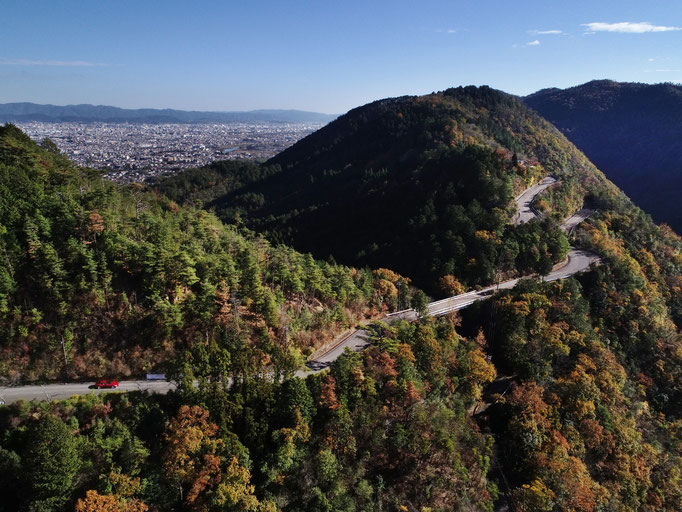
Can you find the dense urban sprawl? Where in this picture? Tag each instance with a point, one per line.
(136, 152)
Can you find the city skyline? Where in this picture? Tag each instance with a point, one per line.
(323, 57)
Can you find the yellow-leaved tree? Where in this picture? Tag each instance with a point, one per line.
(206, 475)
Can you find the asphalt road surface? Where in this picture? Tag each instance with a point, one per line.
(524, 201)
(51, 392)
(576, 219)
(578, 260)
(356, 342)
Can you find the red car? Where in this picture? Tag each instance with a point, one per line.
(103, 383)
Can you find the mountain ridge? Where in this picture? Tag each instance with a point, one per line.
(26, 111)
(423, 185)
(631, 131)
(401, 170)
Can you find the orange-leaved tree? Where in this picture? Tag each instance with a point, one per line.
(95, 502)
(207, 476)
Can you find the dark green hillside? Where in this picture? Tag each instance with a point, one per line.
(204, 184)
(121, 281)
(118, 281)
(631, 131)
(423, 184)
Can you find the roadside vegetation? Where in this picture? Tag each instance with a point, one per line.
(387, 429)
(563, 396)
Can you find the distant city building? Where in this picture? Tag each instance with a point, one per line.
(137, 152)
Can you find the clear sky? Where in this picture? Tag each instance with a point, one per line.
(325, 56)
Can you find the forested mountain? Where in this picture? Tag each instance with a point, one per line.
(589, 417)
(14, 112)
(202, 185)
(150, 277)
(578, 380)
(423, 185)
(119, 280)
(631, 131)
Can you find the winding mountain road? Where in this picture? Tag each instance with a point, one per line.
(578, 260)
(525, 211)
(575, 219)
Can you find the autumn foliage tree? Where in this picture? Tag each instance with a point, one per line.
(206, 477)
(95, 502)
(450, 285)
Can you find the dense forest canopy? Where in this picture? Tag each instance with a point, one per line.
(560, 396)
(589, 419)
(384, 430)
(631, 132)
(150, 277)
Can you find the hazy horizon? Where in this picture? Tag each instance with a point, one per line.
(164, 108)
(323, 58)
(275, 109)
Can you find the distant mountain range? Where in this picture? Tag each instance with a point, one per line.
(631, 131)
(17, 112)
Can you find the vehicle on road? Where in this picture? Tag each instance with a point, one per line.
(106, 384)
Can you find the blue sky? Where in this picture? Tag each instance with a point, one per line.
(326, 56)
